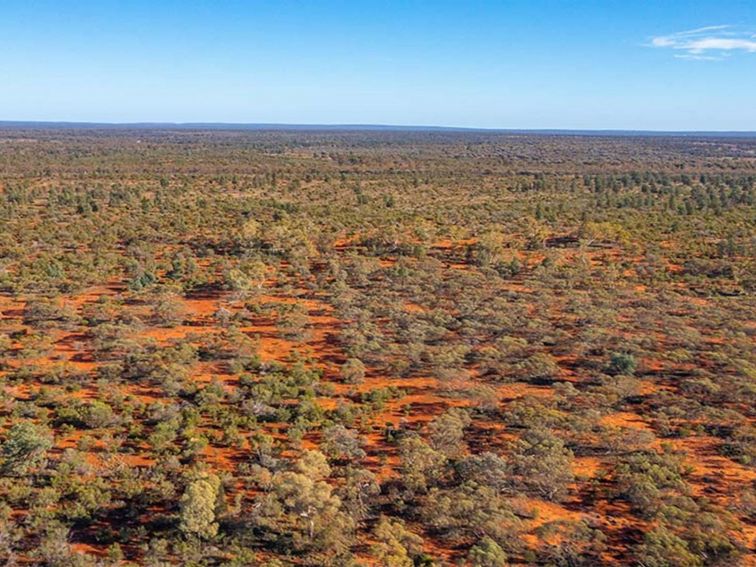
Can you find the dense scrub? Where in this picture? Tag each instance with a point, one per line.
(376, 348)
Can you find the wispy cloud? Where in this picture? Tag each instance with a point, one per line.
(708, 43)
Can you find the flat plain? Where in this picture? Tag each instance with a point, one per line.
(376, 348)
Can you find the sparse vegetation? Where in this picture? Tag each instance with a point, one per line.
(376, 348)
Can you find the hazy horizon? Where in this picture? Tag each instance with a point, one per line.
(282, 126)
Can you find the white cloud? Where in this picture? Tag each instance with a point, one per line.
(708, 43)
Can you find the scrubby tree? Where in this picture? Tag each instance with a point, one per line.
(541, 463)
(341, 443)
(198, 507)
(644, 479)
(395, 545)
(313, 464)
(353, 371)
(471, 510)
(622, 363)
(358, 491)
(571, 543)
(25, 448)
(662, 548)
(308, 510)
(420, 464)
(540, 367)
(486, 469)
(169, 310)
(446, 432)
(54, 549)
(487, 553)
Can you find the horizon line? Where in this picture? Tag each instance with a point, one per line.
(283, 126)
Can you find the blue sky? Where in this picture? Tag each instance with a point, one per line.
(498, 64)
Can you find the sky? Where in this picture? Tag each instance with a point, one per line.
(533, 64)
